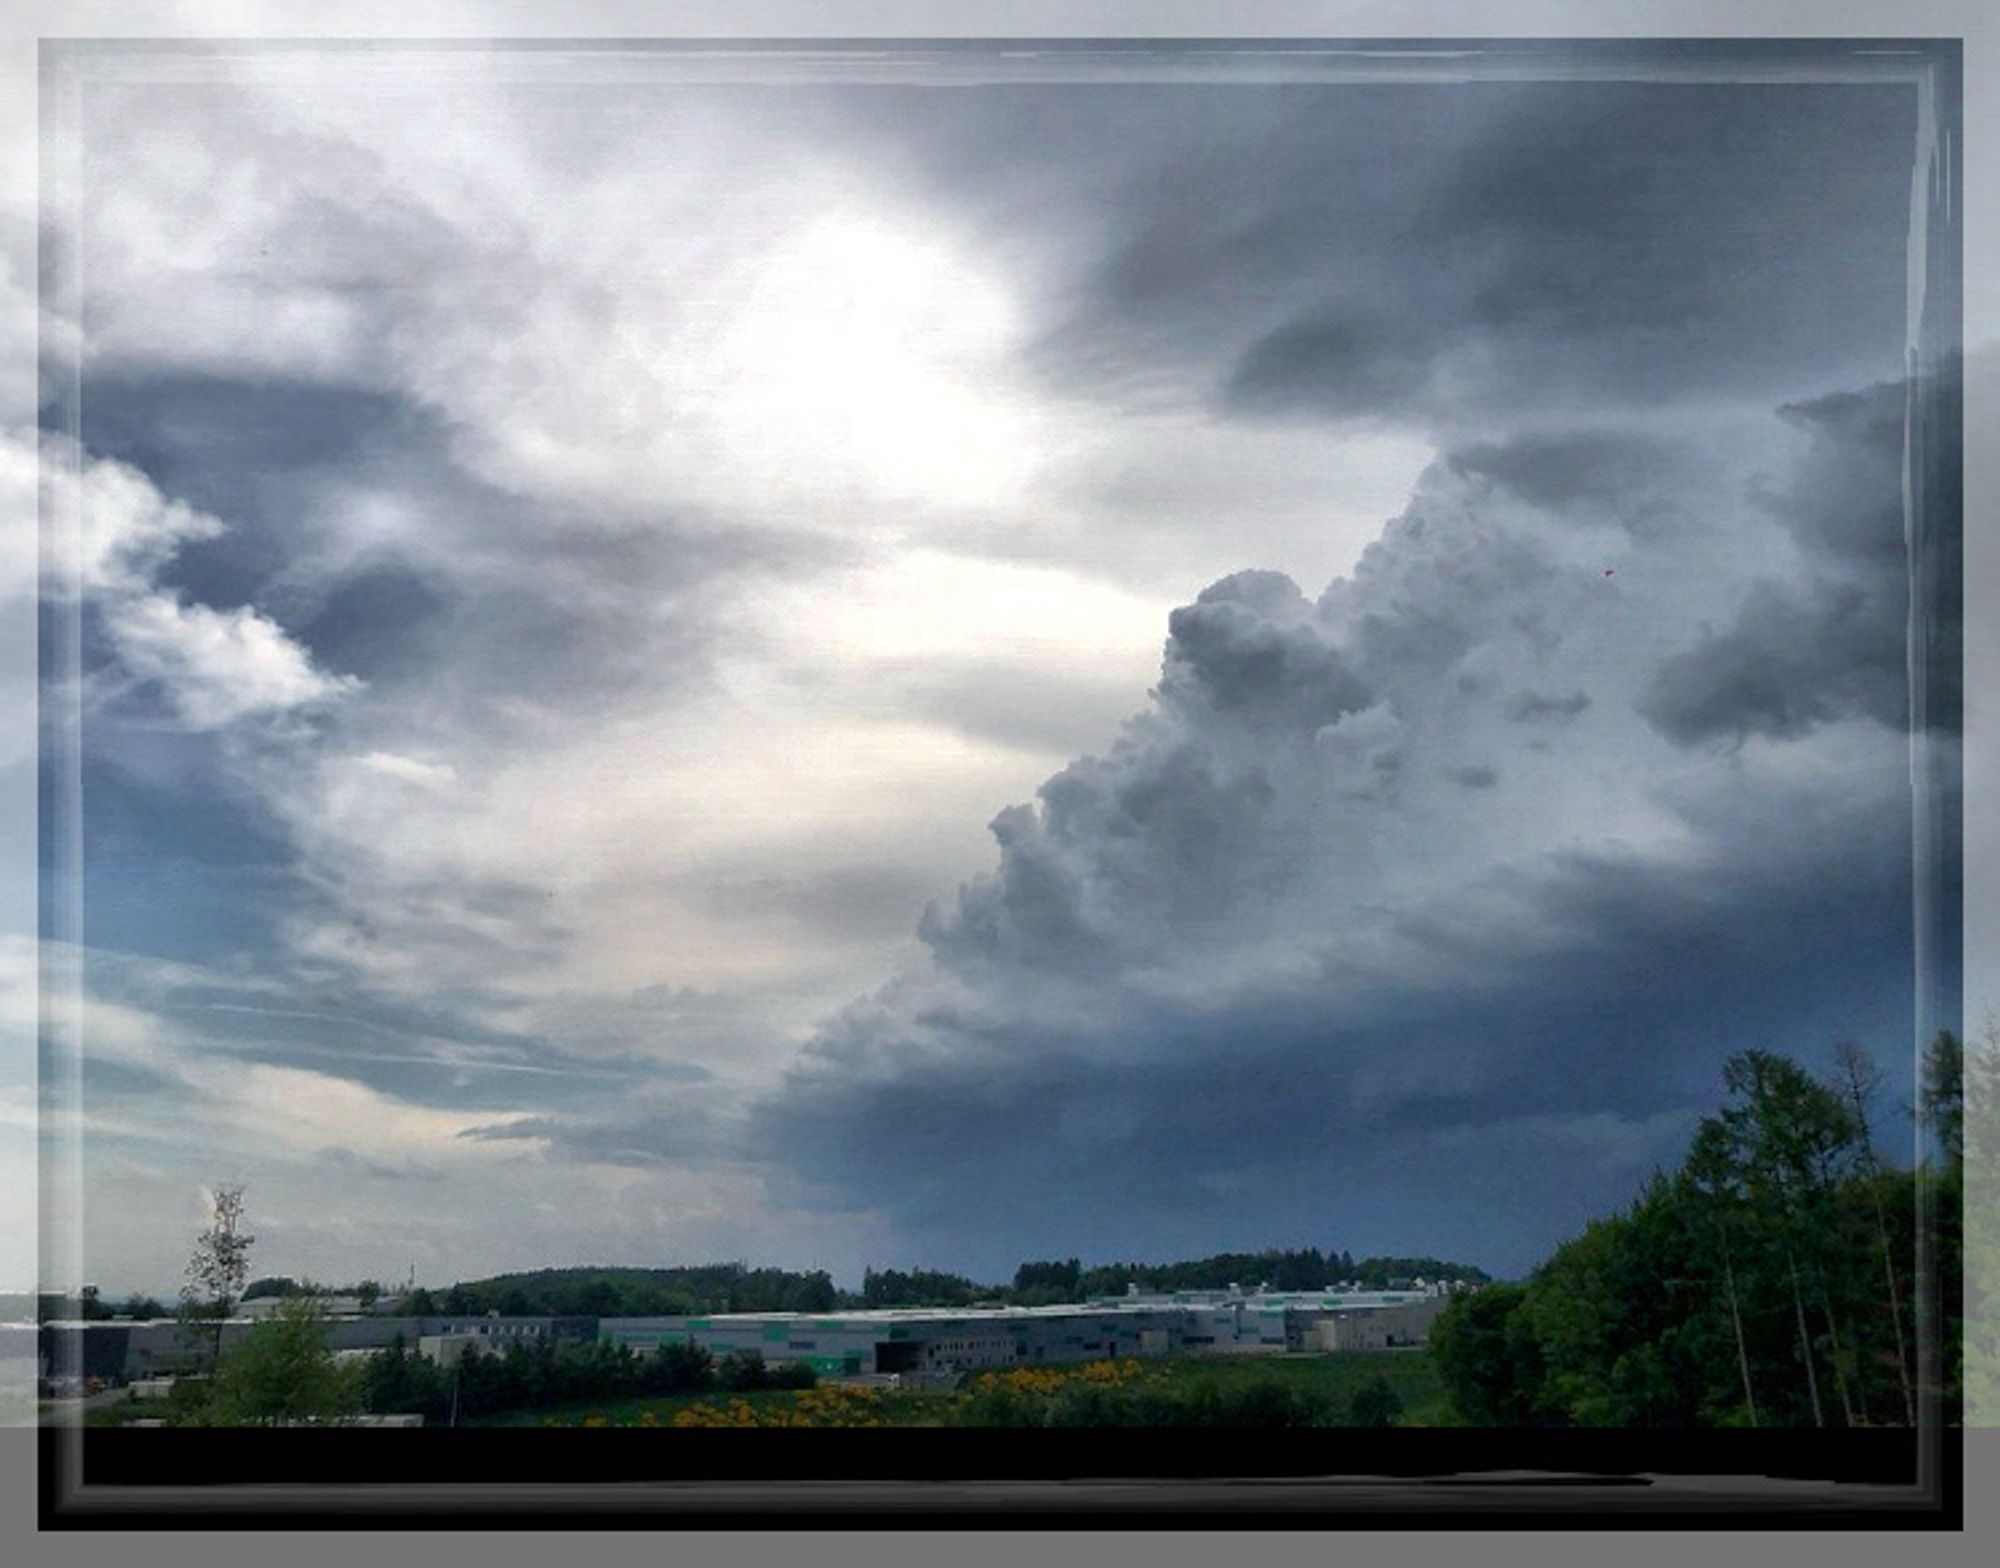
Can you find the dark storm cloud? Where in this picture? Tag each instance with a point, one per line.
(1526, 1039)
(1600, 476)
(1453, 253)
(1834, 644)
(1342, 363)
(1326, 1111)
(1233, 654)
(1847, 500)
(1790, 662)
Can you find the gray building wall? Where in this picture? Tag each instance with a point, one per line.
(1386, 1328)
(141, 1350)
(941, 1345)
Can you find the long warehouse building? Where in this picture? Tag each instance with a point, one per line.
(924, 1344)
(916, 1344)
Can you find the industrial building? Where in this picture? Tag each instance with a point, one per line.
(1392, 1327)
(911, 1344)
(940, 1344)
(121, 1352)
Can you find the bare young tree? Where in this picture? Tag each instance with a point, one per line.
(220, 1266)
(1860, 1081)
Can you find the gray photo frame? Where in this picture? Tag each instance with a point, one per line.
(1461, 1489)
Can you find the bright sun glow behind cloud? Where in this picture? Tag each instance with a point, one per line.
(867, 349)
(922, 603)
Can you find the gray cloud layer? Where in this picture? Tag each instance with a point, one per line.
(1834, 641)
(1453, 254)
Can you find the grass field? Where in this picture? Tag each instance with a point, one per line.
(891, 1409)
(1411, 1373)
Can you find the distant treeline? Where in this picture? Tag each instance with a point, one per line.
(1306, 1269)
(735, 1287)
(277, 1377)
(283, 1286)
(636, 1292)
(89, 1307)
(1770, 1280)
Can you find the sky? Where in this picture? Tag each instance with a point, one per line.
(840, 675)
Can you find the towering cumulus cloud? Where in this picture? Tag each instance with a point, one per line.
(1425, 908)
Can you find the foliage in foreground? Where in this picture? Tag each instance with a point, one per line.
(551, 1372)
(1979, 1138)
(1130, 1394)
(1182, 1393)
(279, 1374)
(1771, 1280)
(835, 1406)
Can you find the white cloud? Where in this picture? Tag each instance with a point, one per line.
(218, 666)
(215, 666)
(129, 529)
(598, 330)
(19, 979)
(118, 525)
(409, 770)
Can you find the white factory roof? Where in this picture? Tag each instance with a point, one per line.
(1101, 1307)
